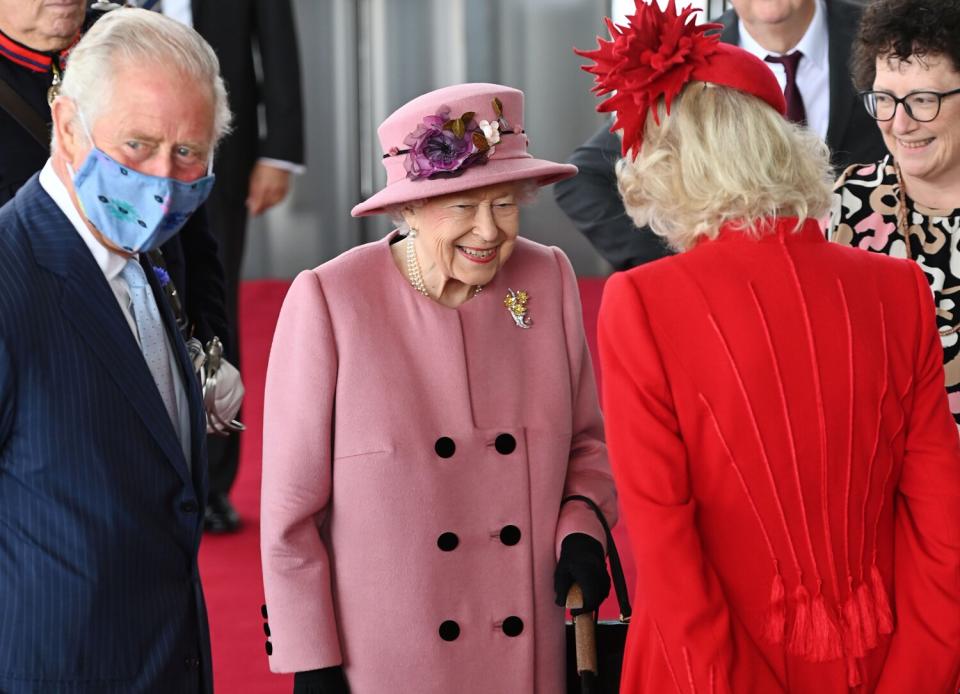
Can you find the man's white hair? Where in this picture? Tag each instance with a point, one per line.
(141, 40)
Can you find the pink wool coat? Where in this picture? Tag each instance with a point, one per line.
(415, 457)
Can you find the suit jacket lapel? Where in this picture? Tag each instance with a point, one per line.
(196, 13)
(89, 304)
(731, 28)
(188, 376)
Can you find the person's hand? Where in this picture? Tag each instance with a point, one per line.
(268, 186)
(328, 680)
(222, 397)
(582, 562)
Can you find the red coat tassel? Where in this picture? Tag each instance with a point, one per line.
(826, 636)
(777, 611)
(868, 616)
(800, 632)
(853, 672)
(884, 615)
(853, 625)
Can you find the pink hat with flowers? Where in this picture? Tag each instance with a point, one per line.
(454, 139)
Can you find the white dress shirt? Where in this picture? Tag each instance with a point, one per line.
(813, 71)
(179, 10)
(111, 264)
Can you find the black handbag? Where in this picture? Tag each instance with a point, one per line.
(610, 635)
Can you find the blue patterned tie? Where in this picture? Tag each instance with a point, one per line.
(153, 342)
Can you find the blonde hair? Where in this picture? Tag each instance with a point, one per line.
(722, 156)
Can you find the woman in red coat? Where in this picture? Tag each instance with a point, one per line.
(786, 460)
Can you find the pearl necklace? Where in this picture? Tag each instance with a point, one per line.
(413, 270)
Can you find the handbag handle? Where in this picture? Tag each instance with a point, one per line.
(616, 568)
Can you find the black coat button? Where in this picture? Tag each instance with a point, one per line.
(510, 535)
(505, 444)
(266, 629)
(449, 630)
(263, 611)
(192, 663)
(445, 447)
(269, 647)
(512, 626)
(189, 506)
(448, 542)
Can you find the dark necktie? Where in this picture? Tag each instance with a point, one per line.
(795, 110)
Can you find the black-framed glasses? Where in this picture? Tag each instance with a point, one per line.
(922, 106)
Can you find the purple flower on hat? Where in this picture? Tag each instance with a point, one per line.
(443, 147)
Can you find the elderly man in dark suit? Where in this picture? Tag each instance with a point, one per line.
(102, 446)
(254, 163)
(35, 38)
(807, 44)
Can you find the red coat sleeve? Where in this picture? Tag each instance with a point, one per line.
(588, 470)
(679, 601)
(924, 652)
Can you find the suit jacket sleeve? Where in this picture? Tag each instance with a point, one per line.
(925, 647)
(297, 482)
(7, 391)
(280, 95)
(205, 297)
(592, 202)
(678, 594)
(588, 470)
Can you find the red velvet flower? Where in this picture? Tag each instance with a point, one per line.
(652, 57)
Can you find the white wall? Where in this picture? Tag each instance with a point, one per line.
(622, 8)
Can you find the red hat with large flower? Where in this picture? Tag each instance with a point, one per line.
(656, 54)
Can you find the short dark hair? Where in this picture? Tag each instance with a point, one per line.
(900, 29)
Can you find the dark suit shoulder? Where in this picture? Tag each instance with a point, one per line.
(17, 266)
(845, 9)
(36, 239)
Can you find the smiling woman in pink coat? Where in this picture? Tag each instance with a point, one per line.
(429, 404)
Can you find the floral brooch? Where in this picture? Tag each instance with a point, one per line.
(445, 147)
(516, 304)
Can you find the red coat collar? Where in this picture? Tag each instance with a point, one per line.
(777, 229)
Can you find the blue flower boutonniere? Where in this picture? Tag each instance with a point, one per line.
(162, 275)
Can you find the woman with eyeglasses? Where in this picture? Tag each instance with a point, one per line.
(906, 59)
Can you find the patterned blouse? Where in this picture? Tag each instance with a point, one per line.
(864, 214)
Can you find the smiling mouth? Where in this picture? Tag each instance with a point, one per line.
(478, 255)
(918, 144)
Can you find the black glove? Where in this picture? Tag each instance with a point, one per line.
(328, 680)
(582, 562)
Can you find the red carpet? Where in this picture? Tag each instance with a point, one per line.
(230, 565)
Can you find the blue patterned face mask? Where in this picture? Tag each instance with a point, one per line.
(133, 210)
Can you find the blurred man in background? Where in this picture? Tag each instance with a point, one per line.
(807, 45)
(253, 165)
